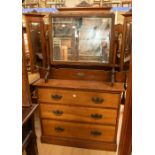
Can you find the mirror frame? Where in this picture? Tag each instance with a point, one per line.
(82, 14)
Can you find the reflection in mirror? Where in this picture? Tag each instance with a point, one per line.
(35, 36)
(82, 39)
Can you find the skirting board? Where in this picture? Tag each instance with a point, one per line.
(79, 143)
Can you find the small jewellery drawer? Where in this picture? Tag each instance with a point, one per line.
(83, 98)
(78, 131)
(80, 114)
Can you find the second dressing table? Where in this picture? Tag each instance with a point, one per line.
(29, 143)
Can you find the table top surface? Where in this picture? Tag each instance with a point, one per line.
(79, 84)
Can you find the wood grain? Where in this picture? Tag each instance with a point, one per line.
(81, 85)
(78, 130)
(26, 99)
(76, 145)
(80, 95)
(70, 113)
(62, 146)
(87, 74)
(125, 146)
(82, 98)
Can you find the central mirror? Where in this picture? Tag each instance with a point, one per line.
(81, 39)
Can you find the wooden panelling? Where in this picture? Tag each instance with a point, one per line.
(70, 113)
(78, 131)
(82, 98)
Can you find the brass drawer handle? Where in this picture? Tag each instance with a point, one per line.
(57, 112)
(56, 97)
(59, 129)
(97, 100)
(96, 116)
(96, 133)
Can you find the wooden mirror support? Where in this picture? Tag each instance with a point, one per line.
(117, 43)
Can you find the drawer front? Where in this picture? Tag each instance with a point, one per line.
(82, 114)
(78, 131)
(81, 74)
(82, 98)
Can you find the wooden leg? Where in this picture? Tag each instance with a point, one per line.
(31, 149)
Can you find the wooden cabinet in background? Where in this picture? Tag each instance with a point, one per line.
(126, 41)
(29, 144)
(36, 40)
(26, 97)
(125, 145)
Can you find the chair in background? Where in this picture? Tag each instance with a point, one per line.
(84, 3)
(97, 2)
(31, 4)
(106, 3)
(55, 3)
(118, 42)
(126, 3)
(116, 3)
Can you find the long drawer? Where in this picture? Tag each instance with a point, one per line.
(83, 98)
(80, 114)
(78, 131)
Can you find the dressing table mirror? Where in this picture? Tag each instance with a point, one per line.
(80, 88)
(84, 39)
